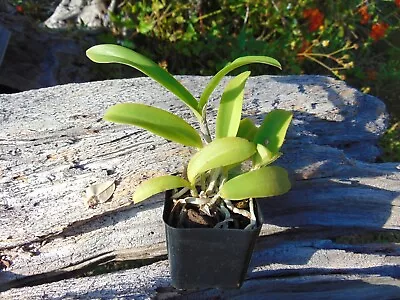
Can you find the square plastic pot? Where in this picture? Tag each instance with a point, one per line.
(206, 257)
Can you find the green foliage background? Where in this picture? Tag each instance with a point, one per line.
(200, 37)
(354, 40)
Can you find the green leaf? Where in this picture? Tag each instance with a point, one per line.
(107, 53)
(230, 109)
(264, 157)
(155, 120)
(241, 61)
(219, 153)
(265, 182)
(145, 26)
(272, 131)
(247, 129)
(157, 185)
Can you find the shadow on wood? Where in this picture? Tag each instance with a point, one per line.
(54, 144)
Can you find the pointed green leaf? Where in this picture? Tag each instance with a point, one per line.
(264, 157)
(155, 120)
(247, 129)
(107, 53)
(230, 108)
(272, 131)
(264, 182)
(157, 185)
(241, 61)
(219, 153)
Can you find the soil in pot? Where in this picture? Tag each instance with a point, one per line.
(201, 256)
(190, 216)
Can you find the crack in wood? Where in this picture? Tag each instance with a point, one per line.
(118, 260)
(65, 231)
(111, 261)
(345, 193)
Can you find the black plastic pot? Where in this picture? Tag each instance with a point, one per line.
(207, 257)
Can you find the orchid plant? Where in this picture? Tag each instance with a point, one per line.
(211, 181)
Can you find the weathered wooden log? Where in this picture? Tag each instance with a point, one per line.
(87, 13)
(53, 144)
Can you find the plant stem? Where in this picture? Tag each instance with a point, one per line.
(213, 200)
(194, 193)
(180, 193)
(253, 219)
(224, 178)
(203, 182)
(213, 180)
(236, 210)
(218, 12)
(197, 201)
(319, 62)
(205, 132)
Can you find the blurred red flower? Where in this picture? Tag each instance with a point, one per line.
(378, 30)
(365, 16)
(397, 2)
(19, 9)
(315, 18)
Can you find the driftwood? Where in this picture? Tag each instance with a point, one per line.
(87, 13)
(334, 235)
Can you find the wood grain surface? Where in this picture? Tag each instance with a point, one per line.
(334, 235)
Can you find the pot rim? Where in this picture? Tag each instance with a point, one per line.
(259, 218)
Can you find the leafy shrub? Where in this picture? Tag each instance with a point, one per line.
(357, 41)
(200, 37)
(354, 40)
